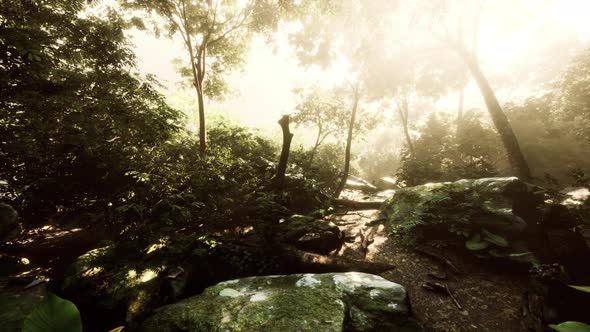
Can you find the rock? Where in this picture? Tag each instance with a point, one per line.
(310, 234)
(484, 215)
(350, 301)
(9, 227)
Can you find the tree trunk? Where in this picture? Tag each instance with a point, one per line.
(202, 128)
(403, 111)
(282, 167)
(515, 157)
(348, 146)
(315, 147)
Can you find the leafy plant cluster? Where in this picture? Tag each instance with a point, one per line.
(81, 134)
(446, 213)
(441, 154)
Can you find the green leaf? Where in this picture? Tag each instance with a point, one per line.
(494, 239)
(581, 288)
(54, 314)
(519, 254)
(475, 243)
(571, 327)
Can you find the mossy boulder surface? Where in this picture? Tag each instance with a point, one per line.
(350, 301)
(310, 234)
(486, 215)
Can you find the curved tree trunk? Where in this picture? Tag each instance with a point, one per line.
(403, 111)
(348, 146)
(515, 156)
(315, 147)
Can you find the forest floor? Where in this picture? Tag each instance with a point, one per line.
(490, 296)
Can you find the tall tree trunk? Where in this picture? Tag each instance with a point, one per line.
(348, 146)
(403, 111)
(202, 128)
(515, 157)
(198, 71)
(282, 167)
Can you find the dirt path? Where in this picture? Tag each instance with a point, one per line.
(490, 297)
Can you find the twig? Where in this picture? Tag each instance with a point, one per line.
(442, 288)
(453, 297)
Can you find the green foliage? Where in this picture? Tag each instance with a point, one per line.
(571, 327)
(585, 289)
(324, 172)
(54, 314)
(448, 213)
(441, 155)
(76, 118)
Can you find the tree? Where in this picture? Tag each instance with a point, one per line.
(215, 35)
(509, 140)
(323, 110)
(440, 12)
(317, 44)
(356, 96)
(72, 114)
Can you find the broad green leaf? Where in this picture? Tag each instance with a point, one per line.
(494, 239)
(475, 243)
(54, 314)
(581, 288)
(571, 327)
(519, 254)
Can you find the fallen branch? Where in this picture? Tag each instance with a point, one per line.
(322, 263)
(453, 297)
(442, 288)
(357, 205)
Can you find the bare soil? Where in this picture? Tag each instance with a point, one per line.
(490, 296)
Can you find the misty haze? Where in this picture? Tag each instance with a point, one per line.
(294, 165)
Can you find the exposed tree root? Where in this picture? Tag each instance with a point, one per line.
(322, 263)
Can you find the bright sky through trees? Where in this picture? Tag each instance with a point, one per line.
(516, 37)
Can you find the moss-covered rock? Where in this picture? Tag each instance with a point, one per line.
(309, 233)
(486, 215)
(300, 302)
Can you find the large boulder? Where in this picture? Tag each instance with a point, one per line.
(129, 279)
(487, 216)
(350, 301)
(498, 217)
